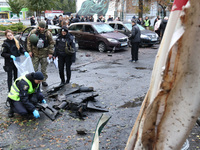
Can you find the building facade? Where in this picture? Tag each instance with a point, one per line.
(5, 12)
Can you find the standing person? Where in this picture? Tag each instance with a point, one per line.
(48, 22)
(117, 19)
(157, 26)
(140, 21)
(100, 18)
(55, 20)
(157, 18)
(110, 18)
(82, 19)
(147, 23)
(91, 19)
(42, 49)
(64, 42)
(163, 26)
(60, 19)
(11, 50)
(32, 20)
(135, 41)
(76, 19)
(25, 94)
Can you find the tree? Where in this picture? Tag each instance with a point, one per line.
(40, 5)
(139, 6)
(165, 4)
(15, 6)
(66, 5)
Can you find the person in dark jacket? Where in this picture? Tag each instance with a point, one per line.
(76, 19)
(32, 20)
(64, 41)
(55, 20)
(135, 40)
(11, 50)
(140, 21)
(25, 94)
(163, 26)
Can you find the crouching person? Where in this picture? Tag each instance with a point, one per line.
(25, 94)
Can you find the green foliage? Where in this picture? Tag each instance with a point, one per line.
(15, 6)
(66, 5)
(18, 27)
(40, 5)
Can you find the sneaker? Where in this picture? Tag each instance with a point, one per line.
(131, 60)
(10, 113)
(44, 84)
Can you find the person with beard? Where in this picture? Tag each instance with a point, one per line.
(11, 50)
(25, 94)
(64, 41)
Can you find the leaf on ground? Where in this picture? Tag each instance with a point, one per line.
(42, 145)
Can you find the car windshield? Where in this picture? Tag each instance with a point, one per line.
(103, 28)
(141, 27)
(129, 26)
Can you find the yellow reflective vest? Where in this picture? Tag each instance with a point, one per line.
(14, 91)
(146, 23)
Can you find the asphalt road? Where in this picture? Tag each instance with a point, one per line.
(119, 84)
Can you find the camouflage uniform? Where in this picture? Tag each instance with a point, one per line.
(40, 55)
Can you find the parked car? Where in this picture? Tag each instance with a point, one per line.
(6, 22)
(23, 36)
(98, 35)
(148, 37)
(55, 30)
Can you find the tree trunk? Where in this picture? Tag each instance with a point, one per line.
(140, 14)
(171, 106)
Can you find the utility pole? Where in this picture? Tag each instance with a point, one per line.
(122, 15)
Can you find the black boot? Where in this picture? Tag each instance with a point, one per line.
(10, 113)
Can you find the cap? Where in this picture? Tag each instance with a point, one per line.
(38, 75)
(42, 24)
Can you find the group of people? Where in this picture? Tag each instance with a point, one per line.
(159, 28)
(67, 20)
(159, 24)
(24, 93)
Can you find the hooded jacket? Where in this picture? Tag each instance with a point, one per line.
(9, 48)
(60, 43)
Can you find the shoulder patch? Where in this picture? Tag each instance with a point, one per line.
(25, 87)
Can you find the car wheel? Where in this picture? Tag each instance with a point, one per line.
(102, 47)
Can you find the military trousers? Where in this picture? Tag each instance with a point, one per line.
(43, 62)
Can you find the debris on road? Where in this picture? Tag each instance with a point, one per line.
(75, 98)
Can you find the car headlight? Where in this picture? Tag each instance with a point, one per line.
(144, 37)
(112, 40)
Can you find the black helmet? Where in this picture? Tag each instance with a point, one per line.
(33, 38)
